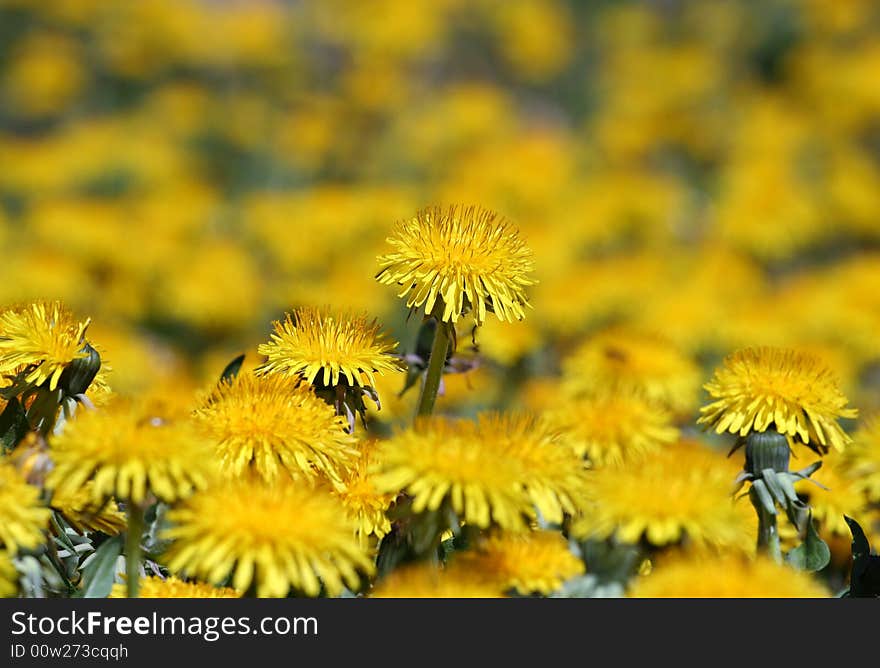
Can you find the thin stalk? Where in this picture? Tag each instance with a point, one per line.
(133, 548)
(768, 532)
(435, 370)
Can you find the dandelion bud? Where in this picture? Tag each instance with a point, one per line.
(766, 450)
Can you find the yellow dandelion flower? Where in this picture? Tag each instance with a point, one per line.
(22, 516)
(275, 538)
(42, 339)
(8, 577)
(462, 258)
(442, 459)
(680, 493)
(528, 562)
(727, 576)
(495, 470)
(82, 514)
(614, 428)
(429, 581)
(366, 505)
(275, 427)
(172, 587)
(313, 341)
(552, 475)
(633, 362)
(126, 452)
(862, 458)
(789, 390)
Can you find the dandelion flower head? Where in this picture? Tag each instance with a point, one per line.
(465, 258)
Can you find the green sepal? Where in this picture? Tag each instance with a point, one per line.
(760, 490)
(772, 481)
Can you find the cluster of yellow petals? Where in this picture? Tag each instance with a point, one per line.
(319, 346)
(41, 338)
(790, 389)
(269, 538)
(465, 258)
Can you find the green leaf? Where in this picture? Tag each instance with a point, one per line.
(14, 424)
(232, 369)
(864, 580)
(100, 569)
(811, 555)
(861, 549)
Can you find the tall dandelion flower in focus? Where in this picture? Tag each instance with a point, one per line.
(464, 259)
(792, 392)
(22, 517)
(527, 562)
(276, 428)
(339, 355)
(453, 262)
(728, 576)
(272, 539)
(772, 398)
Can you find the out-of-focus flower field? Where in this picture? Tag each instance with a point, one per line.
(690, 197)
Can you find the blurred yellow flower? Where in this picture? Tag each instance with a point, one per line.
(22, 517)
(274, 539)
(680, 494)
(497, 469)
(862, 458)
(79, 510)
(171, 587)
(8, 577)
(365, 504)
(729, 576)
(845, 496)
(442, 459)
(537, 562)
(128, 452)
(633, 362)
(614, 428)
(792, 391)
(428, 581)
(463, 258)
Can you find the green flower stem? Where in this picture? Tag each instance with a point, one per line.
(435, 369)
(768, 531)
(133, 548)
